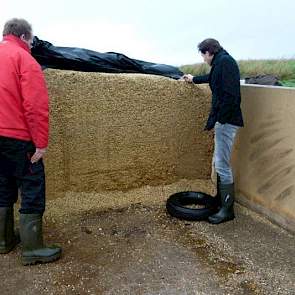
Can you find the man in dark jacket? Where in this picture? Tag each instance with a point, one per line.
(225, 117)
(23, 142)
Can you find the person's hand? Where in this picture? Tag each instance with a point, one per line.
(39, 153)
(187, 78)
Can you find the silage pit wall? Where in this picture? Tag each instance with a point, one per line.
(264, 154)
(122, 131)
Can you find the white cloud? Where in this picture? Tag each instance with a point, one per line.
(162, 31)
(99, 36)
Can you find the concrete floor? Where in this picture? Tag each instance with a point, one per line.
(140, 249)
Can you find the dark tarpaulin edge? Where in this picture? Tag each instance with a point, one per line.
(85, 60)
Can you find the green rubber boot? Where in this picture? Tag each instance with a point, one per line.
(8, 238)
(226, 212)
(31, 235)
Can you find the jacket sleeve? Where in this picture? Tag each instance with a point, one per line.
(230, 89)
(201, 79)
(35, 101)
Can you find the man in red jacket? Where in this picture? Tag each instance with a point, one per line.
(23, 143)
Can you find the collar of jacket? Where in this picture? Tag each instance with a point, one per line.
(217, 56)
(16, 40)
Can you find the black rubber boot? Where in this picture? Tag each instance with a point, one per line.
(226, 211)
(31, 235)
(8, 238)
(217, 196)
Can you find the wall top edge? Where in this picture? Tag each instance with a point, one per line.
(267, 86)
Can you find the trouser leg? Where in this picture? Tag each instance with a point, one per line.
(223, 143)
(32, 187)
(8, 191)
(17, 171)
(10, 165)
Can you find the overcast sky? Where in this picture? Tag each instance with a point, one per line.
(162, 31)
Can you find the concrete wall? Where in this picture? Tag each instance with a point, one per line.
(119, 131)
(264, 155)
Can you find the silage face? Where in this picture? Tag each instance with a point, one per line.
(121, 131)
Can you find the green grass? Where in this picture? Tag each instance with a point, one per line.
(284, 69)
(288, 83)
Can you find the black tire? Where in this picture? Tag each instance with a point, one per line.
(176, 205)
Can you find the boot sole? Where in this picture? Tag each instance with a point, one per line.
(220, 221)
(40, 259)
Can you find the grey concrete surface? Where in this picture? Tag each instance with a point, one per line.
(140, 249)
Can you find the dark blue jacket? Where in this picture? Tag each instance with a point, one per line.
(224, 81)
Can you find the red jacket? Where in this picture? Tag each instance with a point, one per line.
(23, 94)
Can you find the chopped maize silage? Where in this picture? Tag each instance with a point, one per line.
(77, 203)
(121, 131)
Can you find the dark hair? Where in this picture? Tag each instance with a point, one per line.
(18, 27)
(210, 45)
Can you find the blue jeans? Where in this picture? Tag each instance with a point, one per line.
(223, 143)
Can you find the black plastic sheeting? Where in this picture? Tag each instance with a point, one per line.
(263, 80)
(80, 59)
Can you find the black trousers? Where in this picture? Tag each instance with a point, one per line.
(17, 173)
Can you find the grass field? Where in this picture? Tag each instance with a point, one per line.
(284, 69)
